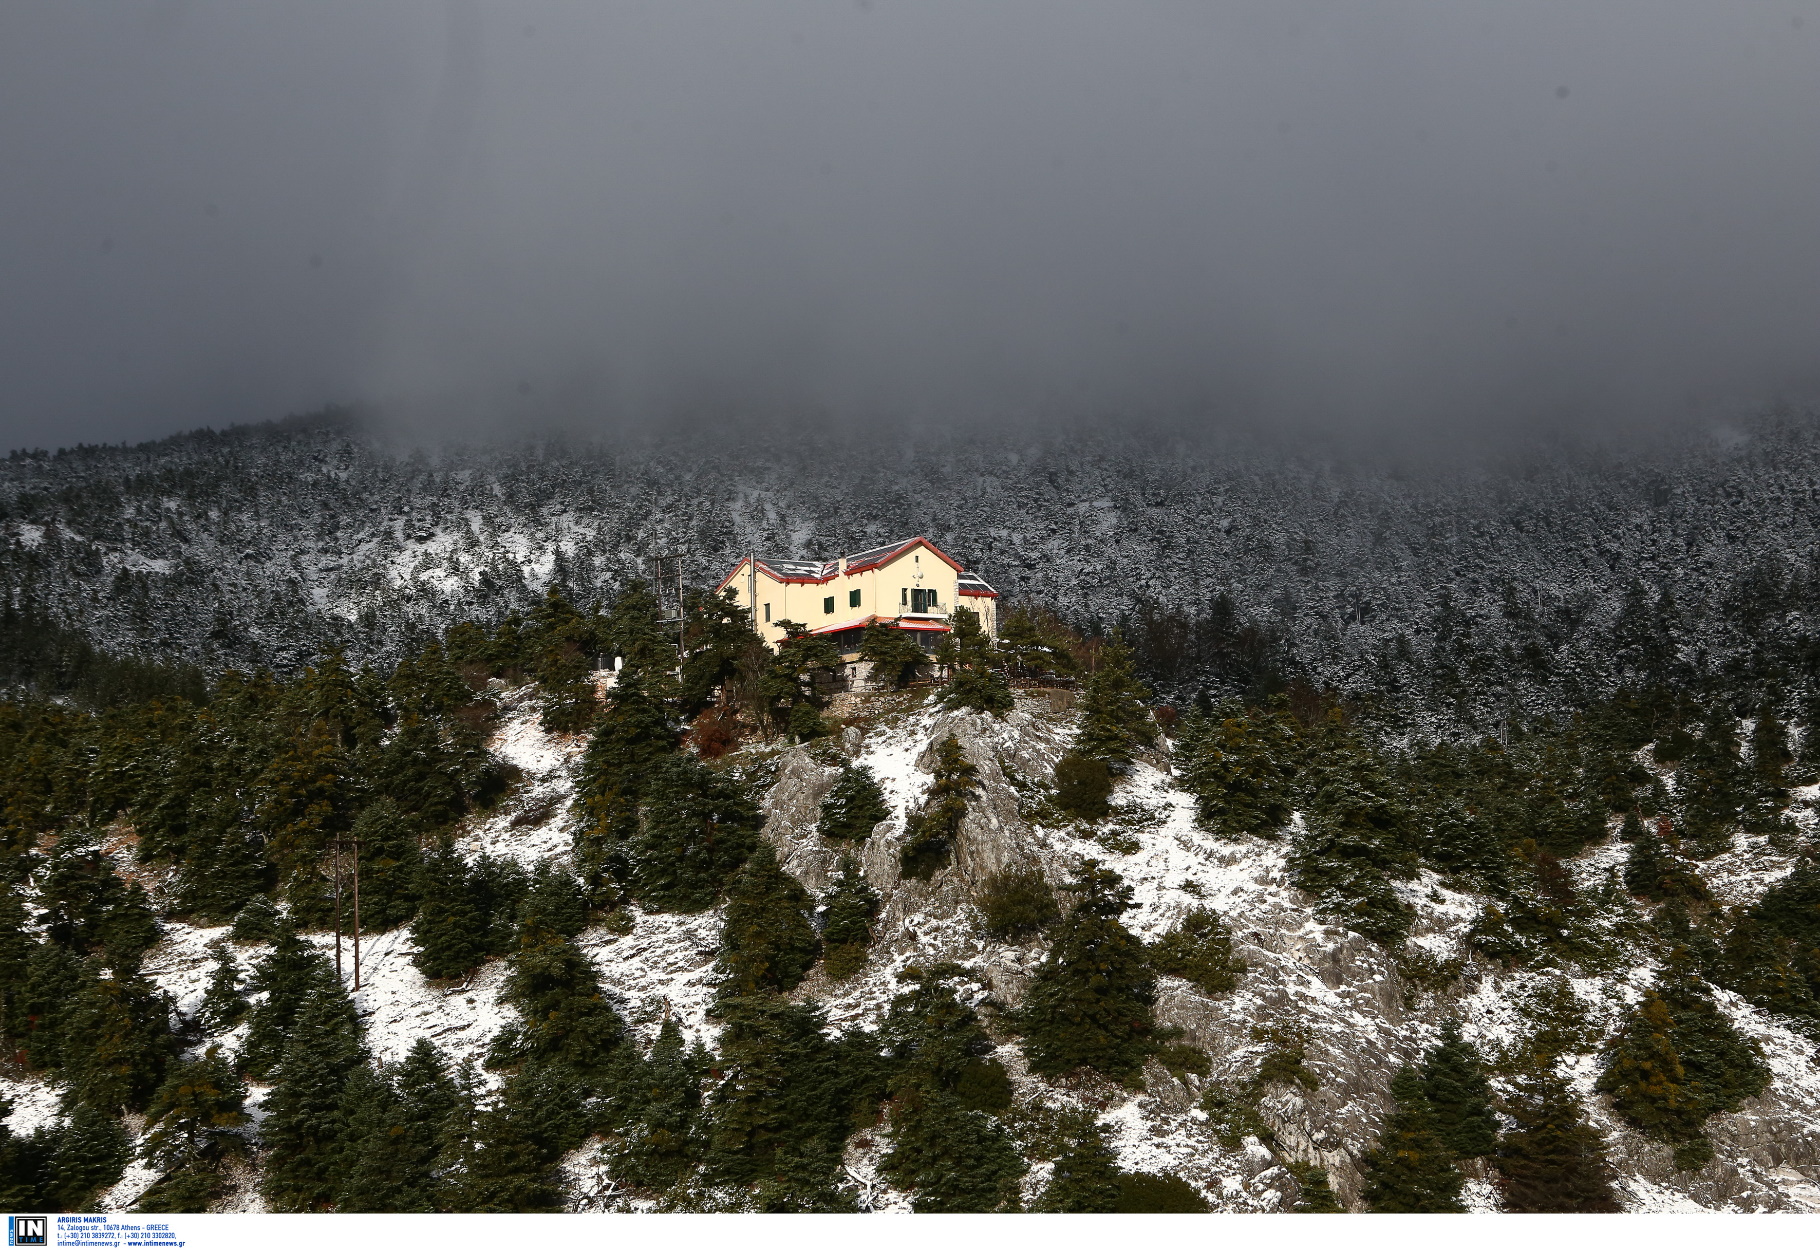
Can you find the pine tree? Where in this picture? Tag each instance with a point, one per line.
(1241, 769)
(89, 908)
(123, 1024)
(1198, 948)
(1314, 1195)
(223, 1005)
(90, 1153)
(563, 644)
(698, 828)
(287, 977)
(1655, 871)
(848, 909)
(1411, 1169)
(1090, 1002)
(1086, 1176)
(893, 654)
(389, 858)
(56, 979)
(15, 953)
(539, 1114)
(1036, 643)
(974, 679)
(1115, 721)
(306, 1125)
(953, 1159)
(655, 1145)
(938, 1045)
(225, 870)
(1459, 1095)
(722, 654)
(766, 941)
(196, 1118)
(451, 926)
(389, 1156)
(1553, 1160)
(564, 1018)
(853, 807)
(935, 830)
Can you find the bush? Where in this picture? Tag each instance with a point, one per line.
(1199, 950)
(1017, 904)
(1146, 1193)
(1083, 787)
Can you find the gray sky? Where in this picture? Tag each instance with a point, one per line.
(1462, 215)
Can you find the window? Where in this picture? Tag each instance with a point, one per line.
(905, 601)
(853, 598)
(767, 613)
(932, 597)
(828, 606)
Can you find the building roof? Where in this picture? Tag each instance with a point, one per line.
(818, 571)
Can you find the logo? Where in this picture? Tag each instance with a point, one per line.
(27, 1230)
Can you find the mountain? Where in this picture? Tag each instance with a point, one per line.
(1474, 591)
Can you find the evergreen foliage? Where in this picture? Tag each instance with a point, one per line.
(565, 1019)
(306, 1127)
(1354, 844)
(1083, 786)
(89, 1154)
(1553, 1160)
(257, 921)
(223, 1004)
(1241, 766)
(848, 908)
(1148, 1193)
(1115, 718)
(1089, 1005)
(1198, 948)
(123, 1023)
(389, 859)
(767, 943)
(1086, 1176)
(893, 654)
(288, 976)
(554, 901)
(1459, 1095)
(633, 735)
(974, 679)
(196, 1118)
(1411, 1169)
(854, 807)
(1035, 643)
(1017, 904)
(1654, 869)
(655, 1140)
(698, 828)
(1314, 1195)
(934, 831)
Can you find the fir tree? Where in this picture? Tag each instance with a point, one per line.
(1553, 1160)
(225, 871)
(699, 826)
(55, 981)
(1654, 870)
(788, 690)
(306, 1125)
(1198, 948)
(789, 1096)
(632, 737)
(848, 909)
(656, 1143)
(123, 1024)
(223, 1005)
(893, 654)
(90, 1153)
(555, 901)
(974, 680)
(1086, 1176)
(287, 977)
(564, 1018)
(1035, 643)
(937, 1044)
(934, 831)
(953, 1159)
(766, 941)
(89, 908)
(1411, 1169)
(452, 922)
(721, 652)
(853, 807)
(389, 858)
(15, 953)
(1241, 769)
(257, 921)
(196, 1118)
(1090, 1002)
(1355, 841)
(1459, 1095)
(539, 1115)
(389, 1156)
(1314, 1195)
(1115, 721)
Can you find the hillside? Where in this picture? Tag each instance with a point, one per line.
(1358, 1010)
(1466, 590)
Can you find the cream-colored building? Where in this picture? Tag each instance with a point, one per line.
(911, 585)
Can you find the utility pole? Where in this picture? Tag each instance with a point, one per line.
(338, 907)
(356, 913)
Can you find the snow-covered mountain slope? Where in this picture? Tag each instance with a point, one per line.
(1362, 1017)
(1534, 582)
